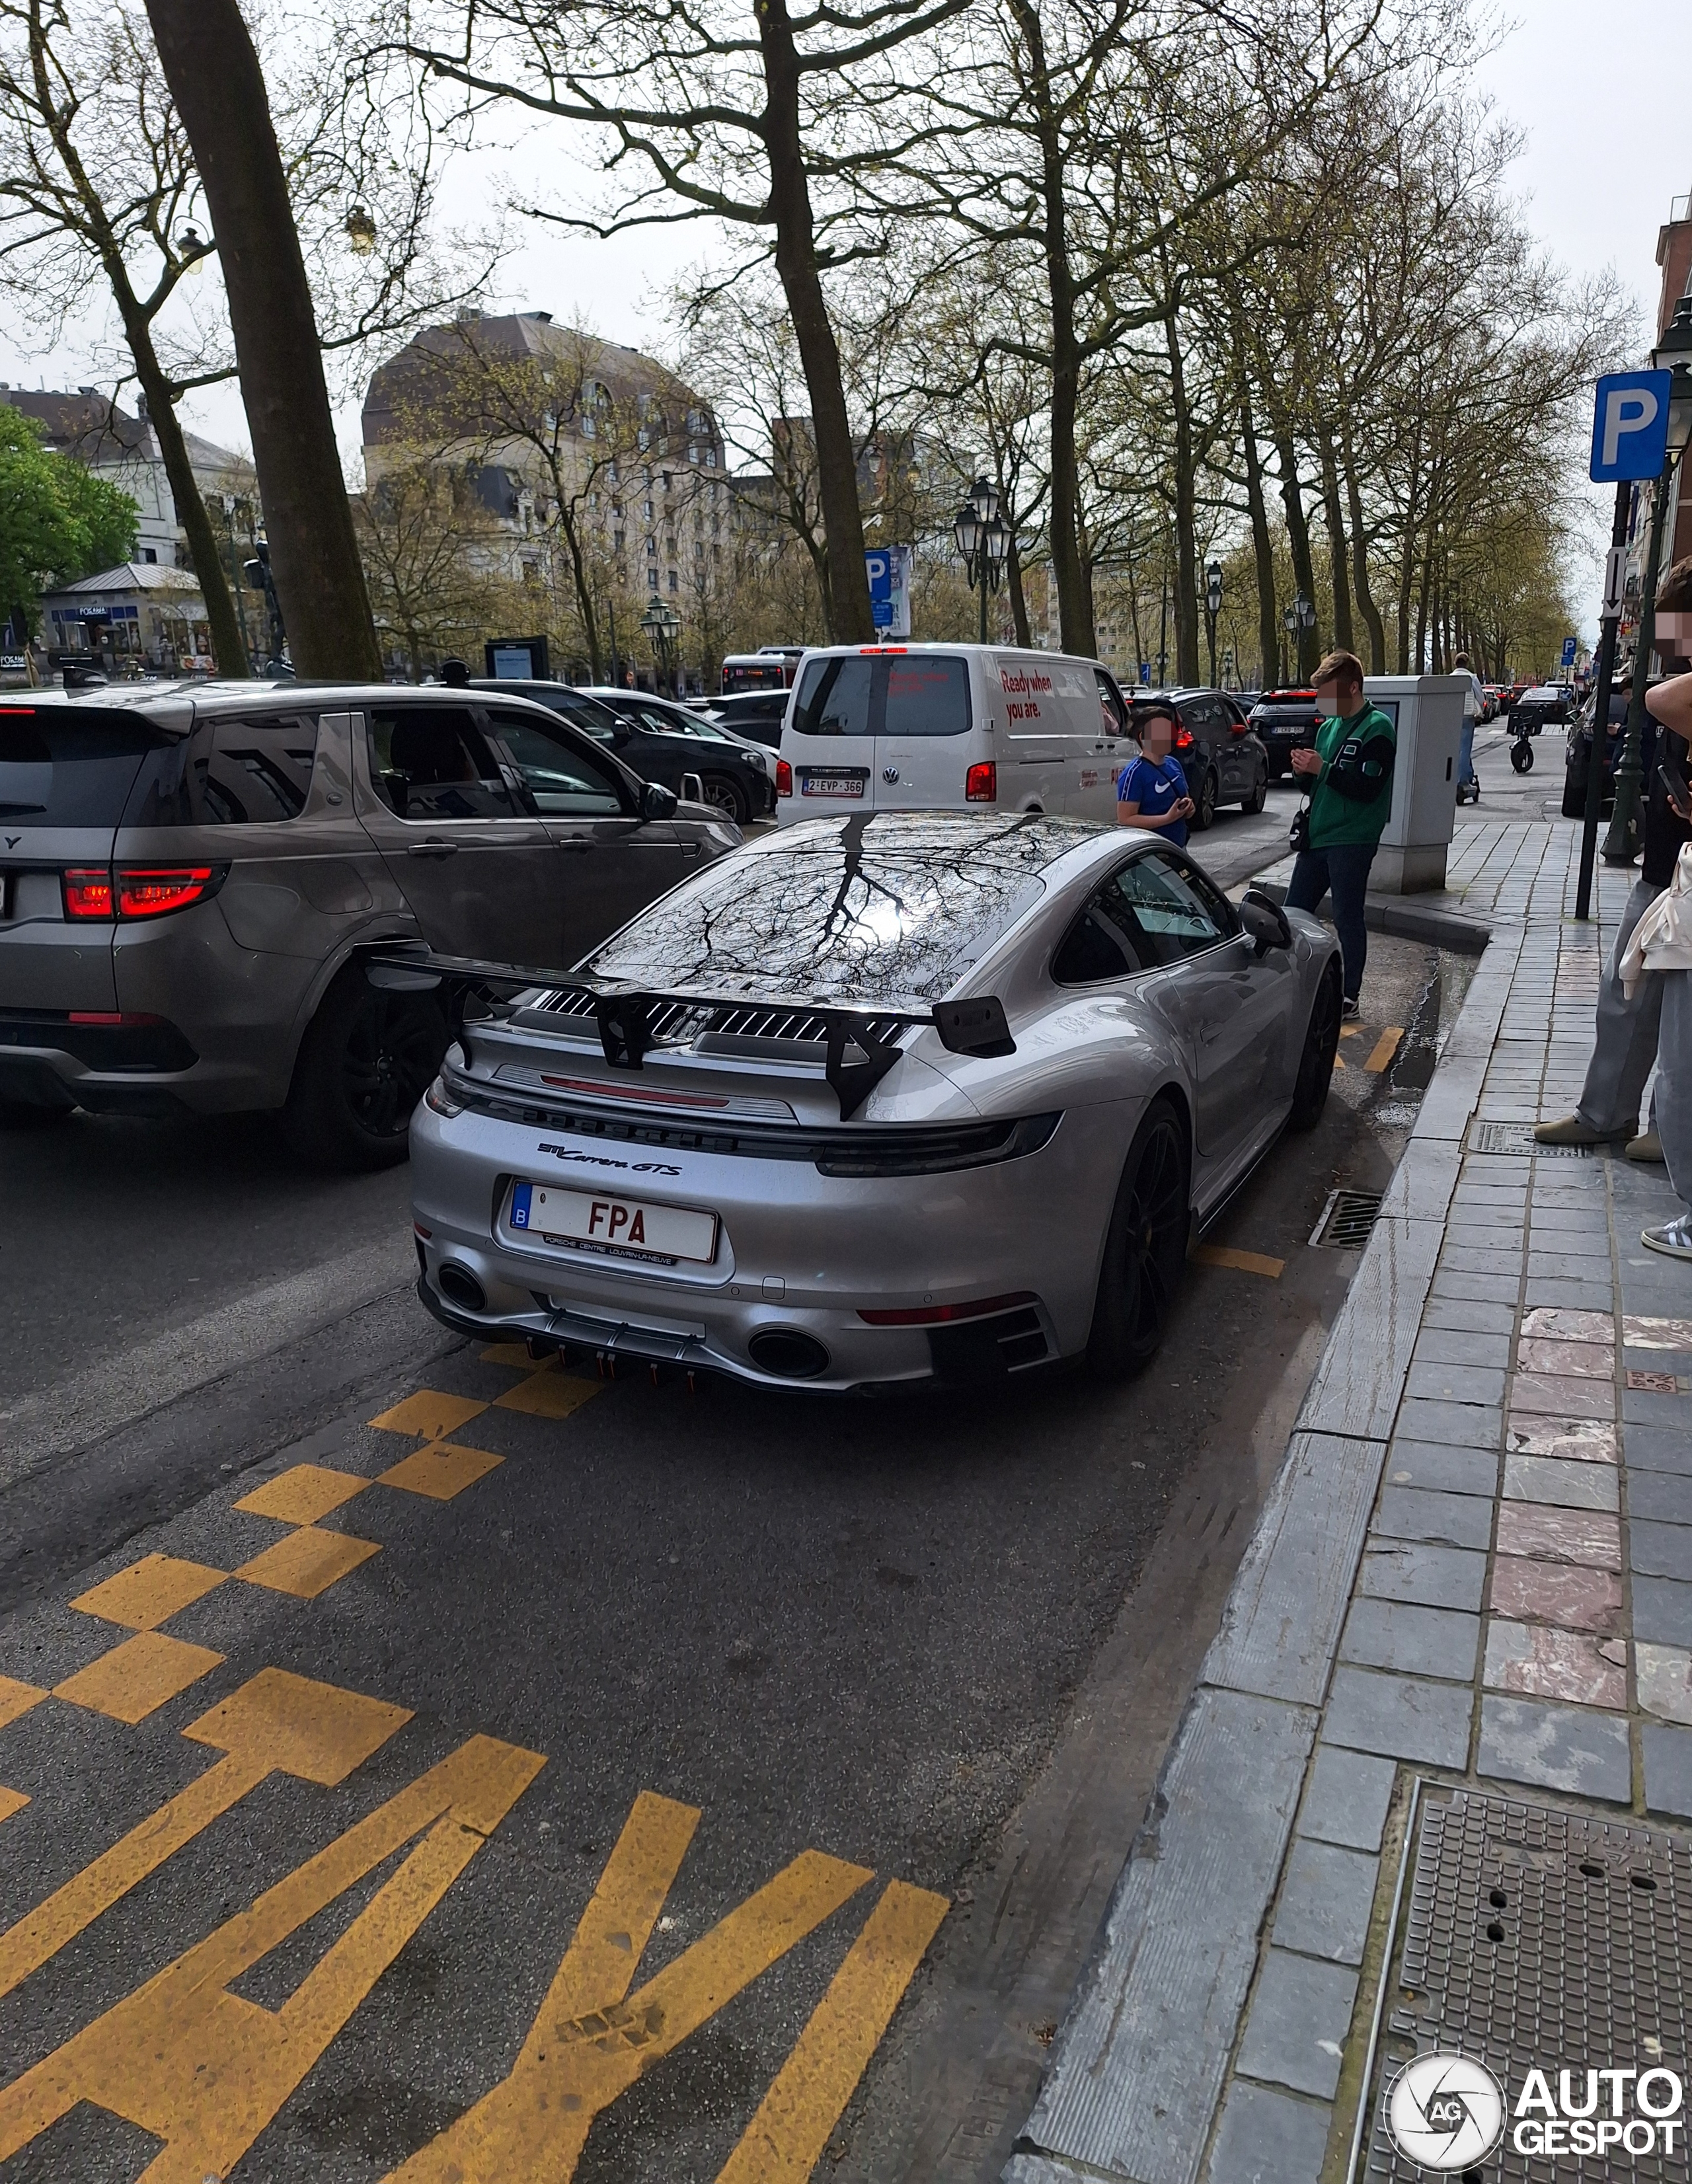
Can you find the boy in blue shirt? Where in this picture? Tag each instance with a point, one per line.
(1152, 792)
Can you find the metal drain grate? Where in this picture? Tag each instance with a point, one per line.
(1347, 1219)
(1518, 1138)
(1535, 1939)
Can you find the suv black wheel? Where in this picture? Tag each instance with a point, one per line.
(1315, 1063)
(1253, 804)
(725, 796)
(1145, 1248)
(366, 1059)
(1205, 802)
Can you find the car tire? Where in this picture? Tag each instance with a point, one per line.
(1315, 1063)
(32, 1114)
(726, 796)
(1204, 804)
(1574, 799)
(1521, 757)
(1252, 805)
(366, 1059)
(1145, 1248)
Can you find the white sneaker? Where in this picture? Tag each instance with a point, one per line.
(1673, 1240)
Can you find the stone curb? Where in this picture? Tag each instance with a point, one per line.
(1137, 2068)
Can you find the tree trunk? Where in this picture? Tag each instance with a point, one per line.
(1186, 516)
(847, 598)
(219, 89)
(1075, 587)
(1359, 567)
(582, 589)
(1335, 517)
(1263, 548)
(1298, 539)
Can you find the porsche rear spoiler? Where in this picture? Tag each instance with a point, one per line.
(624, 1013)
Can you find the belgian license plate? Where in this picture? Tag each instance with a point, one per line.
(847, 783)
(623, 1228)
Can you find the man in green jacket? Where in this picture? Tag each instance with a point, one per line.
(1350, 777)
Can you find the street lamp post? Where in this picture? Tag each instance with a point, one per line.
(1306, 614)
(663, 625)
(230, 505)
(983, 539)
(1289, 622)
(1213, 607)
(1672, 353)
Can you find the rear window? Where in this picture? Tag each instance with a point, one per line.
(70, 767)
(892, 909)
(232, 771)
(906, 694)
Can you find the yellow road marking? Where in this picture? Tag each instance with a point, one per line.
(204, 2070)
(431, 1414)
(137, 1678)
(302, 1493)
(275, 1723)
(16, 1699)
(1247, 1262)
(150, 1593)
(440, 1469)
(307, 1561)
(515, 1354)
(547, 1394)
(11, 1801)
(531, 2128)
(785, 2140)
(1384, 1049)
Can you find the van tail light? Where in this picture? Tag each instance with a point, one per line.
(784, 777)
(154, 890)
(981, 784)
(1183, 738)
(87, 892)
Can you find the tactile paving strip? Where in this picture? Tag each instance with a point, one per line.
(1533, 1938)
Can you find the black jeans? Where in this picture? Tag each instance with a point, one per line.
(1343, 873)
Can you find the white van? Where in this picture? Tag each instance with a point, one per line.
(950, 728)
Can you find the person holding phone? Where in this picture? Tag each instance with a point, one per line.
(1152, 790)
(1348, 774)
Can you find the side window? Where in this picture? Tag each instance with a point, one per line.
(247, 771)
(1175, 910)
(1111, 706)
(565, 782)
(432, 763)
(834, 698)
(1102, 943)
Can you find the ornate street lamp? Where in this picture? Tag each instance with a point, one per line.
(663, 625)
(360, 230)
(1672, 353)
(1213, 607)
(983, 538)
(1289, 622)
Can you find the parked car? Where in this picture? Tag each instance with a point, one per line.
(941, 727)
(885, 1099)
(1545, 704)
(1577, 755)
(663, 740)
(758, 714)
(192, 875)
(1283, 721)
(1224, 759)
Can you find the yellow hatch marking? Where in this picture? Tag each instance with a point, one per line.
(516, 1355)
(205, 2070)
(785, 2140)
(430, 1414)
(548, 1394)
(1246, 1262)
(134, 1678)
(16, 1699)
(275, 1723)
(308, 1562)
(150, 1593)
(12, 1801)
(1384, 1049)
(302, 1494)
(439, 1469)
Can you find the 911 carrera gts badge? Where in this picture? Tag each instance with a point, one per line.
(599, 1160)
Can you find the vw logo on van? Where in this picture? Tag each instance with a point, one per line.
(890, 773)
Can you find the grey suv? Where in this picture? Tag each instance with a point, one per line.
(189, 875)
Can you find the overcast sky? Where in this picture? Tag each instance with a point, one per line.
(1600, 88)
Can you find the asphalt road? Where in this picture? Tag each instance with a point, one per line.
(729, 1781)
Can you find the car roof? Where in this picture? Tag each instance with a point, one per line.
(168, 702)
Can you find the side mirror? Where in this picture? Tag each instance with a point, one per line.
(657, 802)
(1265, 923)
(693, 789)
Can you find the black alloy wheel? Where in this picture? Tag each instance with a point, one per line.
(365, 1062)
(725, 796)
(1252, 805)
(1145, 1248)
(1315, 1063)
(1205, 802)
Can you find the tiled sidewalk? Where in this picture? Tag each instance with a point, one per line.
(1476, 1564)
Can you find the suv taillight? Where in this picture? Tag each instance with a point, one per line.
(981, 784)
(784, 777)
(87, 891)
(1183, 738)
(152, 890)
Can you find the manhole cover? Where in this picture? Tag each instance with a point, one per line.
(1518, 1138)
(1538, 1941)
(1347, 1219)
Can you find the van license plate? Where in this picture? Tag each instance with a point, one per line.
(845, 783)
(622, 1227)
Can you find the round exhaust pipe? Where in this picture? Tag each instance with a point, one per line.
(458, 1285)
(788, 1353)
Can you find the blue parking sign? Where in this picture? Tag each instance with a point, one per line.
(1568, 652)
(1630, 426)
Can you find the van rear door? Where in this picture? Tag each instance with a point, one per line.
(828, 740)
(924, 751)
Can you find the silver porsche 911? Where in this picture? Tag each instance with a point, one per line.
(876, 1102)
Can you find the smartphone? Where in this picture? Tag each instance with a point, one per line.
(1674, 780)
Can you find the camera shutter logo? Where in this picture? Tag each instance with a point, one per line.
(1445, 2112)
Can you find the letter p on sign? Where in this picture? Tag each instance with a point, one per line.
(1630, 426)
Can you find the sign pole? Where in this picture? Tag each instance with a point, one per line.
(1604, 679)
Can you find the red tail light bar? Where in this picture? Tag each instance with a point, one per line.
(784, 777)
(97, 892)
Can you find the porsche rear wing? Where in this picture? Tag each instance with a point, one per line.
(624, 1013)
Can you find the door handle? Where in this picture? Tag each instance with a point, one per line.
(575, 846)
(431, 849)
